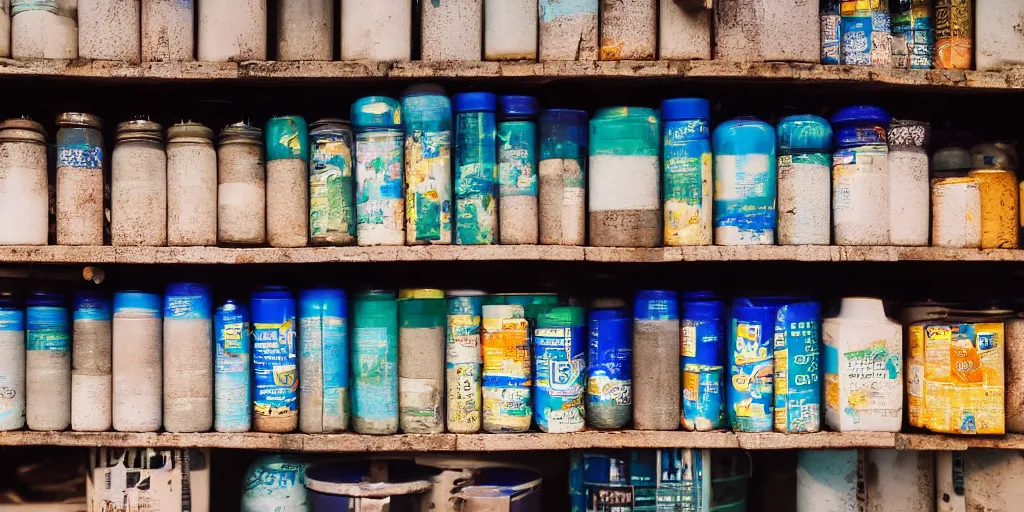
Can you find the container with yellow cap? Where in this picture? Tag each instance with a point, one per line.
(994, 166)
(24, 205)
(138, 185)
(421, 349)
(191, 185)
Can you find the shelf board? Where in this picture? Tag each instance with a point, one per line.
(542, 71)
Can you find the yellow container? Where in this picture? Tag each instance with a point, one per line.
(999, 202)
(955, 377)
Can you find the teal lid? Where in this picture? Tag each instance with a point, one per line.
(804, 134)
(376, 112)
(287, 137)
(564, 316)
(625, 131)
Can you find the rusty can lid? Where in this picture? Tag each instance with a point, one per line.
(189, 129)
(241, 132)
(139, 129)
(21, 129)
(79, 120)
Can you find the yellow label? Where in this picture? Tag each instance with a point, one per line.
(688, 335)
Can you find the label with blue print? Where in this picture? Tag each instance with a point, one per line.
(702, 342)
(12, 320)
(752, 373)
(703, 404)
(517, 158)
(92, 307)
(192, 303)
(332, 351)
(560, 364)
(276, 379)
(48, 329)
(380, 199)
(232, 406)
(80, 156)
(610, 377)
(797, 372)
(375, 374)
(744, 190)
(232, 331)
(830, 37)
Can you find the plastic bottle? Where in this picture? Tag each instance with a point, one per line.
(563, 170)
(463, 361)
(686, 160)
(860, 177)
(274, 359)
(137, 362)
(745, 182)
(380, 203)
(332, 211)
(287, 142)
(12, 363)
(517, 170)
(191, 185)
(805, 180)
(323, 361)
(610, 369)
(188, 357)
(421, 358)
(232, 380)
(24, 203)
(241, 186)
(909, 190)
(79, 179)
(656, 368)
(47, 362)
(375, 363)
(703, 335)
(428, 166)
(91, 380)
(507, 370)
(138, 185)
(559, 342)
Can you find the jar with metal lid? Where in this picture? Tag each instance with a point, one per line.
(332, 218)
(287, 139)
(40, 29)
(860, 177)
(909, 190)
(138, 188)
(109, 30)
(994, 166)
(232, 30)
(191, 185)
(24, 201)
(241, 186)
(168, 31)
(79, 179)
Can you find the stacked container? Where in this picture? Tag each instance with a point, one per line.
(47, 362)
(232, 30)
(656, 368)
(241, 186)
(332, 219)
(137, 362)
(783, 30)
(168, 31)
(191, 185)
(510, 29)
(233, 367)
(138, 189)
(375, 363)
(90, 362)
(463, 361)
(805, 180)
(610, 369)
(109, 30)
(745, 182)
(909, 189)
(860, 177)
(421, 358)
(476, 211)
(686, 189)
(79, 180)
(305, 30)
(376, 30)
(274, 360)
(563, 167)
(568, 30)
(380, 203)
(24, 205)
(287, 142)
(323, 361)
(12, 363)
(188, 357)
(517, 170)
(428, 166)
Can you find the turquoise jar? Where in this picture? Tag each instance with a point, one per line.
(562, 189)
(476, 170)
(428, 166)
(380, 200)
(804, 180)
(375, 363)
(686, 163)
(744, 212)
(517, 170)
(287, 146)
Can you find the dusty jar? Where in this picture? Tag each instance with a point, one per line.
(168, 31)
(562, 175)
(287, 142)
(956, 212)
(79, 179)
(241, 186)
(191, 185)
(451, 30)
(805, 180)
(109, 30)
(138, 190)
(785, 30)
(332, 212)
(5, 28)
(860, 177)
(188, 357)
(90, 362)
(47, 362)
(376, 30)
(40, 30)
(232, 30)
(1000, 42)
(517, 170)
(24, 204)
(137, 362)
(629, 29)
(510, 29)
(684, 30)
(305, 30)
(909, 189)
(568, 30)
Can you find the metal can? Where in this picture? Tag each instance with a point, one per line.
(232, 373)
(274, 360)
(954, 34)
(751, 365)
(560, 363)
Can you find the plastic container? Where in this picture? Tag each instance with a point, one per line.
(463, 361)
(752, 364)
(305, 30)
(805, 180)
(999, 44)
(560, 361)
(191, 185)
(510, 29)
(609, 383)
(380, 203)
(232, 30)
(517, 170)
(376, 30)
(745, 182)
(686, 163)
(913, 34)
(956, 212)
(629, 29)
(568, 30)
(451, 30)
(12, 363)
(109, 30)
(909, 190)
(954, 34)
(768, 30)
(507, 369)
(624, 178)
(797, 359)
(703, 334)
(274, 360)
(138, 185)
(91, 380)
(232, 377)
(656, 368)
(421, 356)
(993, 167)
(323, 361)
(476, 173)
(188, 357)
(332, 211)
(24, 203)
(563, 168)
(168, 31)
(79, 204)
(866, 34)
(860, 177)
(375, 363)
(684, 30)
(287, 142)
(137, 363)
(47, 362)
(428, 166)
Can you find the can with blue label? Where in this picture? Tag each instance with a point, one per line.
(91, 379)
(48, 362)
(751, 365)
(656, 369)
(188, 357)
(12, 363)
(274, 359)
(323, 361)
(463, 360)
(610, 369)
(232, 378)
(375, 362)
(703, 362)
(560, 364)
(137, 362)
(797, 368)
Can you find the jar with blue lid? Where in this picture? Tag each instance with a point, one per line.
(332, 219)
(287, 146)
(686, 159)
(380, 198)
(233, 365)
(323, 361)
(428, 166)
(274, 360)
(476, 169)
(805, 180)
(656, 350)
(90, 361)
(517, 170)
(12, 363)
(137, 363)
(188, 357)
(702, 317)
(563, 169)
(745, 182)
(47, 362)
(610, 369)
(860, 176)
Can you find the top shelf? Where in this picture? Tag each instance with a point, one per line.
(1012, 79)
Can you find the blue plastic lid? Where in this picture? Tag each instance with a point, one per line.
(329, 301)
(272, 293)
(92, 304)
(677, 109)
(804, 133)
(697, 310)
(656, 305)
(698, 295)
(188, 289)
(376, 112)
(516, 106)
(609, 314)
(564, 116)
(139, 300)
(474, 102)
(41, 298)
(861, 115)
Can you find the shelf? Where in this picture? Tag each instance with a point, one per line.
(543, 71)
(354, 443)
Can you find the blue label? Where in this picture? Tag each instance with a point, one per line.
(610, 370)
(274, 368)
(233, 407)
(550, 10)
(137, 303)
(560, 365)
(702, 342)
(703, 404)
(48, 329)
(92, 307)
(797, 370)
(751, 374)
(374, 373)
(12, 320)
(188, 301)
(80, 156)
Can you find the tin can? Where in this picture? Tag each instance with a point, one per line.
(232, 373)
(913, 34)
(380, 200)
(686, 189)
(560, 363)
(798, 368)
(702, 321)
(507, 369)
(476, 169)
(428, 166)
(866, 33)
(375, 362)
(12, 363)
(751, 365)
(956, 213)
(274, 359)
(610, 369)
(954, 34)
(331, 183)
(463, 360)
(323, 361)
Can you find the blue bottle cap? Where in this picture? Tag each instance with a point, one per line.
(703, 309)
(475, 102)
(137, 300)
(564, 115)
(92, 305)
(377, 112)
(188, 289)
(514, 106)
(804, 133)
(656, 305)
(678, 109)
(272, 293)
(861, 115)
(41, 298)
(329, 301)
(609, 314)
(233, 306)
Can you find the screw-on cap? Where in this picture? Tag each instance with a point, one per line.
(376, 112)
(241, 132)
(189, 129)
(475, 102)
(22, 130)
(139, 129)
(518, 106)
(862, 115)
(677, 109)
(79, 120)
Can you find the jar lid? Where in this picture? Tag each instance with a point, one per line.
(329, 122)
(376, 112)
(189, 129)
(518, 106)
(994, 155)
(241, 132)
(423, 90)
(23, 130)
(804, 133)
(861, 114)
(953, 158)
(79, 120)
(564, 115)
(20, 6)
(139, 129)
(909, 134)
(466, 293)
(420, 293)
(678, 109)
(475, 102)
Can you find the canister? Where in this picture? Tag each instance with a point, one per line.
(831, 25)
(428, 165)
(954, 33)
(24, 203)
(332, 219)
(287, 142)
(913, 34)
(507, 369)
(451, 30)
(656, 365)
(109, 30)
(568, 30)
(40, 29)
(47, 362)
(629, 29)
(232, 30)
(860, 177)
(79, 179)
(702, 333)
(999, 44)
(797, 379)
(232, 378)
(375, 363)
(510, 29)
(866, 33)
(562, 169)
(274, 359)
(751, 364)
(609, 402)
(625, 178)
(305, 30)
(138, 188)
(684, 30)
(323, 361)
(767, 30)
(12, 363)
(191, 185)
(5, 29)
(956, 212)
(421, 354)
(168, 31)
(517, 170)
(463, 360)
(909, 189)
(745, 182)
(476, 168)
(994, 166)
(805, 180)
(560, 365)
(137, 361)
(686, 162)
(380, 200)
(188, 357)
(241, 186)
(376, 30)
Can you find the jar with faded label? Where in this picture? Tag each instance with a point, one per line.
(42, 29)
(956, 213)
(686, 177)
(909, 189)
(702, 336)
(510, 29)
(47, 362)
(427, 114)
(805, 180)
(568, 30)
(562, 177)
(332, 219)
(241, 186)
(1000, 43)
(421, 360)
(860, 177)
(24, 200)
(274, 361)
(137, 362)
(305, 30)
(866, 33)
(188, 357)
(168, 31)
(609, 403)
(91, 379)
(109, 30)
(232, 30)
(12, 363)
(287, 142)
(517, 170)
(323, 361)
(994, 167)
(232, 378)
(745, 182)
(463, 361)
(797, 359)
(375, 363)
(629, 29)
(376, 30)
(476, 168)
(380, 198)
(954, 34)
(79, 179)
(507, 369)
(191, 185)
(656, 361)
(751, 364)
(451, 30)
(138, 185)
(913, 34)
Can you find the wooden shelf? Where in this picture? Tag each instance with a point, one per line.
(696, 69)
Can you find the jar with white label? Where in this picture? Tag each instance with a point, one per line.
(191, 185)
(909, 189)
(241, 186)
(138, 185)
(805, 180)
(860, 177)
(24, 203)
